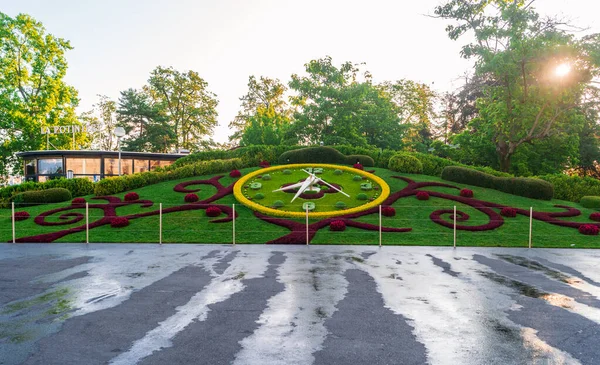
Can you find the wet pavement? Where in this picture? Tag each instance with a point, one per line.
(216, 304)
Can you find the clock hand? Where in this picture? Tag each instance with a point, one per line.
(305, 185)
(333, 187)
(289, 187)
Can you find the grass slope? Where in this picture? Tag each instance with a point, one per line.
(194, 226)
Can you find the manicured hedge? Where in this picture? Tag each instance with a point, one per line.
(527, 187)
(118, 184)
(572, 188)
(323, 155)
(77, 187)
(590, 202)
(405, 162)
(250, 155)
(35, 197)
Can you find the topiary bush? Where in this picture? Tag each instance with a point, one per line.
(592, 202)
(21, 216)
(508, 212)
(588, 229)
(358, 166)
(235, 173)
(118, 222)
(337, 225)
(595, 217)
(466, 193)
(278, 204)
(573, 188)
(362, 196)
(287, 172)
(78, 201)
(191, 198)
(337, 172)
(357, 178)
(404, 162)
(422, 195)
(323, 155)
(213, 211)
(129, 197)
(340, 205)
(388, 211)
(527, 187)
(266, 177)
(259, 196)
(36, 197)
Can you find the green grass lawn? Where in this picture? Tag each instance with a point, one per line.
(194, 226)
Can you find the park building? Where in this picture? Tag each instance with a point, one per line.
(45, 165)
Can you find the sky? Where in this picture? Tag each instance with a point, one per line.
(117, 43)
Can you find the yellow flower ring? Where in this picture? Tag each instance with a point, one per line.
(237, 192)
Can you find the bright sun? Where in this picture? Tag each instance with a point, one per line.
(562, 69)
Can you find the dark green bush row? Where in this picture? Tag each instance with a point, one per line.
(323, 155)
(522, 186)
(405, 162)
(590, 202)
(572, 188)
(35, 197)
(77, 187)
(115, 185)
(250, 155)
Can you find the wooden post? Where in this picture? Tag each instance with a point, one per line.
(455, 226)
(13, 223)
(160, 224)
(530, 224)
(233, 213)
(380, 225)
(307, 224)
(87, 223)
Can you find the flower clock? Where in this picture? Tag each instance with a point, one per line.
(321, 190)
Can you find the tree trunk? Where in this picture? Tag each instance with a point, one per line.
(505, 162)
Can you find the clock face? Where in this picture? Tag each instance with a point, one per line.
(324, 190)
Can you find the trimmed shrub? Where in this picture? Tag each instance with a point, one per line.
(337, 225)
(259, 196)
(21, 216)
(78, 201)
(595, 217)
(362, 196)
(77, 187)
(213, 211)
(589, 229)
(466, 193)
(266, 177)
(191, 198)
(264, 163)
(388, 211)
(235, 173)
(433, 165)
(422, 195)
(35, 197)
(404, 162)
(337, 172)
(118, 222)
(572, 188)
(287, 172)
(592, 202)
(508, 212)
(131, 196)
(278, 204)
(527, 187)
(340, 205)
(323, 155)
(358, 166)
(357, 178)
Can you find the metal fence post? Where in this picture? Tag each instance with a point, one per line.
(530, 224)
(13, 223)
(307, 224)
(233, 214)
(455, 226)
(160, 223)
(379, 225)
(87, 223)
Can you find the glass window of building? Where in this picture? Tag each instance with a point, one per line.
(49, 166)
(29, 167)
(159, 163)
(111, 166)
(84, 166)
(140, 165)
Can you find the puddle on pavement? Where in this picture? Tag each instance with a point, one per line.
(534, 265)
(522, 288)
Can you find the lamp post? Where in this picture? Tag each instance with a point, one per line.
(119, 132)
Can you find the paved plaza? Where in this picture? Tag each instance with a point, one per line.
(256, 304)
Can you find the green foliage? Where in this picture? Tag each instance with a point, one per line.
(323, 155)
(34, 197)
(527, 187)
(337, 172)
(250, 155)
(77, 187)
(572, 188)
(117, 184)
(340, 205)
(362, 196)
(357, 178)
(259, 196)
(286, 172)
(33, 93)
(266, 177)
(278, 204)
(590, 202)
(404, 162)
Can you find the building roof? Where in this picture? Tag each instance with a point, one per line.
(88, 153)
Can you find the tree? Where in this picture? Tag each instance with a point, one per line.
(263, 105)
(32, 91)
(184, 100)
(101, 122)
(342, 106)
(517, 52)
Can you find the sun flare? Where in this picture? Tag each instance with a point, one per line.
(562, 69)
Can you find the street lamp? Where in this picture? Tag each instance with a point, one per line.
(119, 132)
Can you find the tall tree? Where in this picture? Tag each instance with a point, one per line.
(519, 52)
(32, 91)
(263, 105)
(101, 122)
(185, 101)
